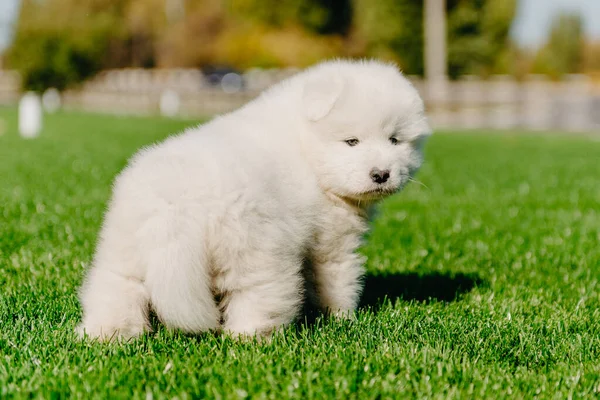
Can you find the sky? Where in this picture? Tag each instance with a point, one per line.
(8, 13)
(529, 29)
(531, 25)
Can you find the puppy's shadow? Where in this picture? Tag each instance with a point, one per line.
(406, 287)
(413, 286)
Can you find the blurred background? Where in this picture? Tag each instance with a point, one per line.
(506, 64)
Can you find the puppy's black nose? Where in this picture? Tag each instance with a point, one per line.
(380, 176)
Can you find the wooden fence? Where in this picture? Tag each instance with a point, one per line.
(501, 102)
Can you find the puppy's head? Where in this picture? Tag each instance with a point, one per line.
(367, 128)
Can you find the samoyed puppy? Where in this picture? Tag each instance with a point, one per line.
(221, 227)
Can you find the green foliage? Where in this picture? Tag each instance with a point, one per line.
(49, 60)
(563, 53)
(478, 35)
(514, 214)
(55, 59)
(60, 43)
(392, 29)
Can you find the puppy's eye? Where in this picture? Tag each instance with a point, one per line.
(394, 141)
(351, 142)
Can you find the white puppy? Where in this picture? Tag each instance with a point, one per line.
(215, 228)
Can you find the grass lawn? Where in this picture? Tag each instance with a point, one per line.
(483, 284)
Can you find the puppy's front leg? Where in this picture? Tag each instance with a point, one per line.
(337, 269)
(338, 284)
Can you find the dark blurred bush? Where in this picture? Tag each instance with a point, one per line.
(318, 16)
(55, 59)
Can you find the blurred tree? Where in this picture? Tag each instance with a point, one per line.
(591, 57)
(193, 41)
(477, 33)
(563, 53)
(391, 29)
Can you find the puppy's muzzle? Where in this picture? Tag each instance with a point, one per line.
(379, 176)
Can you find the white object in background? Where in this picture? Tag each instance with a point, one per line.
(231, 83)
(51, 100)
(30, 115)
(169, 103)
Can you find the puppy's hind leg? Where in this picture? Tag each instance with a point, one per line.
(114, 306)
(268, 296)
(178, 278)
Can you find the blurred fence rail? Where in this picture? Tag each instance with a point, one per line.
(500, 102)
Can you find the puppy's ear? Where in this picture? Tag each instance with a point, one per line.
(320, 94)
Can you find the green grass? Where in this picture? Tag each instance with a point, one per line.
(491, 285)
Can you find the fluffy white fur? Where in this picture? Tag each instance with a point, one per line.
(214, 229)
